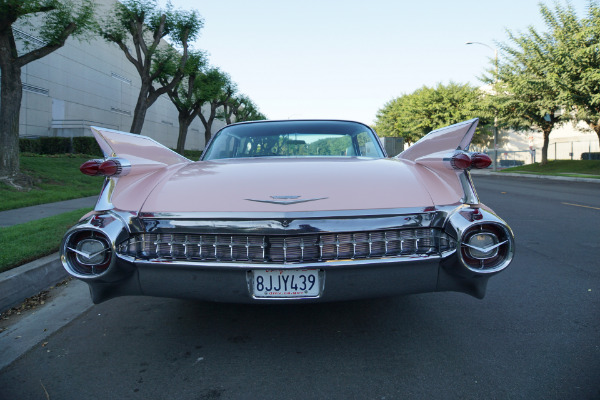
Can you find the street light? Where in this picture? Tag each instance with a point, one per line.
(496, 112)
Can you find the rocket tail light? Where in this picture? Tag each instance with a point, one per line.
(109, 167)
(461, 161)
(464, 161)
(480, 160)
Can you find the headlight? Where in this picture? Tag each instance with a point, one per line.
(482, 245)
(487, 247)
(87, 252)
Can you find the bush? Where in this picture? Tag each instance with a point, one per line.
(60, 145)
(55, 145)
(29, 146)
(590, 156)
(86, 145)
(193, 155)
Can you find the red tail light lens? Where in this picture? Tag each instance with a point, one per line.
(109, 168)
(98, 167)
(90, 167)
(480, 160)
(460, 161)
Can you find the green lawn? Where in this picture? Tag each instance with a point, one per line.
(56, 178)
(29, 241)
(577, 168)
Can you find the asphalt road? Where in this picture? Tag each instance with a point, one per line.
(536, 335)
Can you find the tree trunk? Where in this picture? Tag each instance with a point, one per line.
(208, 123)
(207, 130)
(139, 115)
(545, 146)
(183, 129)
(185, 121)
(596, 128)
(10, 106)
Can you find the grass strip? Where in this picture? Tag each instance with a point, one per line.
(26, 242)
(576, 168)
(56, 178)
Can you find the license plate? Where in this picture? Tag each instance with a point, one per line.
(271, 283)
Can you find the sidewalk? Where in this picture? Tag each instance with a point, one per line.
(26, 214)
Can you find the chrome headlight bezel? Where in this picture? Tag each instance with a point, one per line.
(494, 256)
(79, 261)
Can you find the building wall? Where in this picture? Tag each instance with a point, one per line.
(91, 83)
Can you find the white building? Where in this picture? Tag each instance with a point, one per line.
(566, 142)
(91, 83)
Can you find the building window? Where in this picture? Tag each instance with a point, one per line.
(121, 78)
(119, 111)
(27, 38)
(35, 89)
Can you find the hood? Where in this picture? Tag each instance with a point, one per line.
(298, 185)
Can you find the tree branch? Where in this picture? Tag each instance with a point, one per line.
(47, 49)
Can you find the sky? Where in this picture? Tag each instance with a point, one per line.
(345, 59)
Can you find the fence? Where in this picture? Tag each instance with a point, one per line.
(567, 150)
(513, 158)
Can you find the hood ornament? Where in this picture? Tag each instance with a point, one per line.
(286, 200)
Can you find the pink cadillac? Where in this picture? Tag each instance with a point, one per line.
(292, 211)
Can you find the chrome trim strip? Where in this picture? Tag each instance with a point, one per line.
(125, 165)
(468, 188)
(104, 200)
(297, 214)
(333, 264)
(286, 202)
(289, 226)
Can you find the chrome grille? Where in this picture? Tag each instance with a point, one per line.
(287, 249)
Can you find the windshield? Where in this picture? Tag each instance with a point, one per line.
(294, 139)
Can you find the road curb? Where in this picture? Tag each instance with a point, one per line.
(19, 283)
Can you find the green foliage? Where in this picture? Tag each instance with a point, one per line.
(246, 110)
(60, 19)
(545, 75)
(214, 83)
(240, 107)
(30, 146)
(331, 146)
(60, 145)
(68, 14)
(45, 145)
(572, 59)
(590, 156)
(86, 145)
(55, 145)
(193, 155)
(29, 241)
(143, 24)
(217, 89)
(186, 95)
(412, 116)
